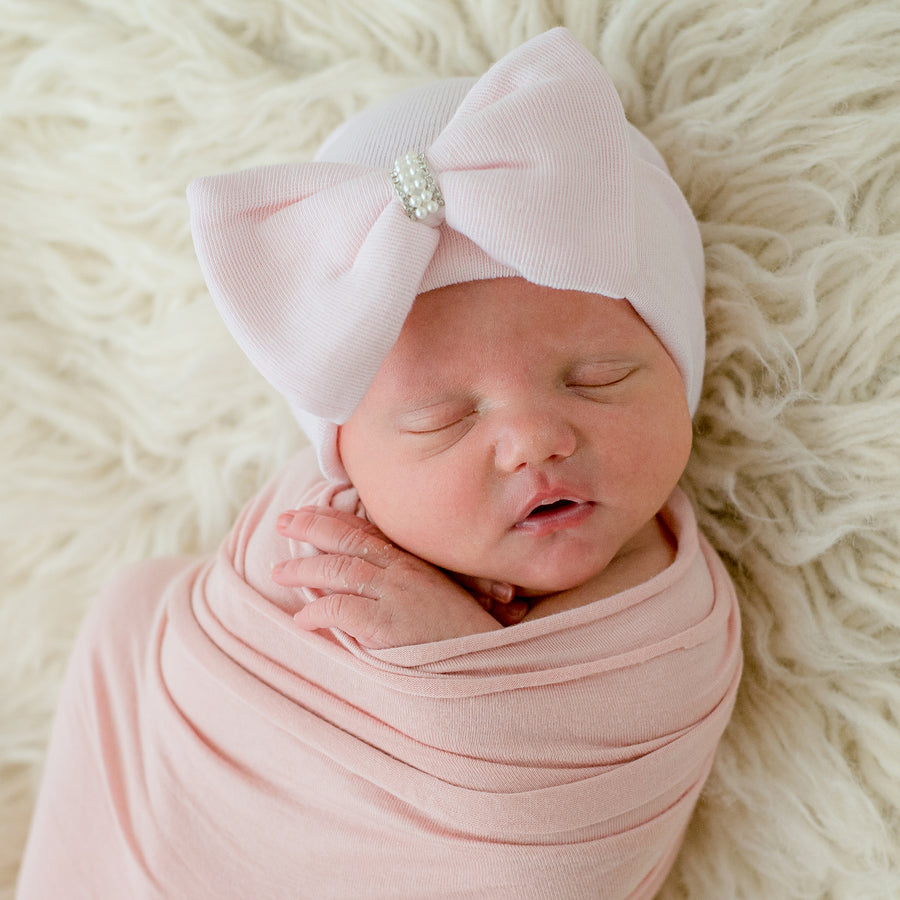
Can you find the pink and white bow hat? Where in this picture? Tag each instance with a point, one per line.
(531, 170)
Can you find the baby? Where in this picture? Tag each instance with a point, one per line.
(521, 431)
(489, 655)
(515, 433)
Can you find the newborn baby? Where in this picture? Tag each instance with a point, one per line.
(515, 434)
(484, 304)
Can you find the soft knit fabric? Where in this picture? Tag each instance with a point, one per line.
(206, 747)
(314, 266)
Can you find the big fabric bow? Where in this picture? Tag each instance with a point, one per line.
(314, 266)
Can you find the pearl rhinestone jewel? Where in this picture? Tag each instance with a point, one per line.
(415, 184)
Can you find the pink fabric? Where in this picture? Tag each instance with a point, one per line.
(205, 747)
(314, 266)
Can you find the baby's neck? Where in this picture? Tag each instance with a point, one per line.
(652, 551)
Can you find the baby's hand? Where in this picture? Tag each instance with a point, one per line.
(379, 594)
(498, 598)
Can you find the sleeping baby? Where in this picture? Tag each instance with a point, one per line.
(515, 433)
(484, 651)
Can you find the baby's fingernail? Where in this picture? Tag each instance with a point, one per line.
(277, 568)
(284, 520)
(503, 592)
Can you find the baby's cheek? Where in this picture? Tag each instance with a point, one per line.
(409, 514)
(666, 459)
(442, 531)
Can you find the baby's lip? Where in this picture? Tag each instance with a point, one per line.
(546, 502)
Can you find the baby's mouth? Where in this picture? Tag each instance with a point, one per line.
(553, 512)
(544, 510)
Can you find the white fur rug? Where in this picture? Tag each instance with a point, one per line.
(130, 425)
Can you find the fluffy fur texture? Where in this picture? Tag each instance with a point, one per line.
(130, 425)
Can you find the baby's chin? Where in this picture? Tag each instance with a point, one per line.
(557, 576)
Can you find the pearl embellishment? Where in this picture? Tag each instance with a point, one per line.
(418, 191)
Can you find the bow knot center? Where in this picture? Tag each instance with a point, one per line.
(418, 190)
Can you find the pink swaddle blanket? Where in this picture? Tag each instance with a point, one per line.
(206, 747)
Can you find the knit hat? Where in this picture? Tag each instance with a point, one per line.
(531, 171)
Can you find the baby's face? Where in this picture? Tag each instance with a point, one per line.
(519, 433)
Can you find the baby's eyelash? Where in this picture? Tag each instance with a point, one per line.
(591, 384)
(439, 428)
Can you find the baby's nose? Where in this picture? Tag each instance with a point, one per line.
(531, 437)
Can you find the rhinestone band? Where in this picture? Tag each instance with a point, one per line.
(416, 186)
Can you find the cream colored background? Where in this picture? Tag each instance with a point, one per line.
(130, 425)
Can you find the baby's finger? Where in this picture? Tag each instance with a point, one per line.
(331, 513)
(510, 613)
(500, 591)
(347, 612)
(332, 573)
(332, 531)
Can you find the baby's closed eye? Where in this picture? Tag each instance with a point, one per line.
(436, 418)
(440, 436)
(599, 381)
(439, 426)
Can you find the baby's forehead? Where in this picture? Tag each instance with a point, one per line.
(476, 326)
(518, 306)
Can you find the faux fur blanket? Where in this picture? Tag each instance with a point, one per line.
(207, 747)
(131, 426)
